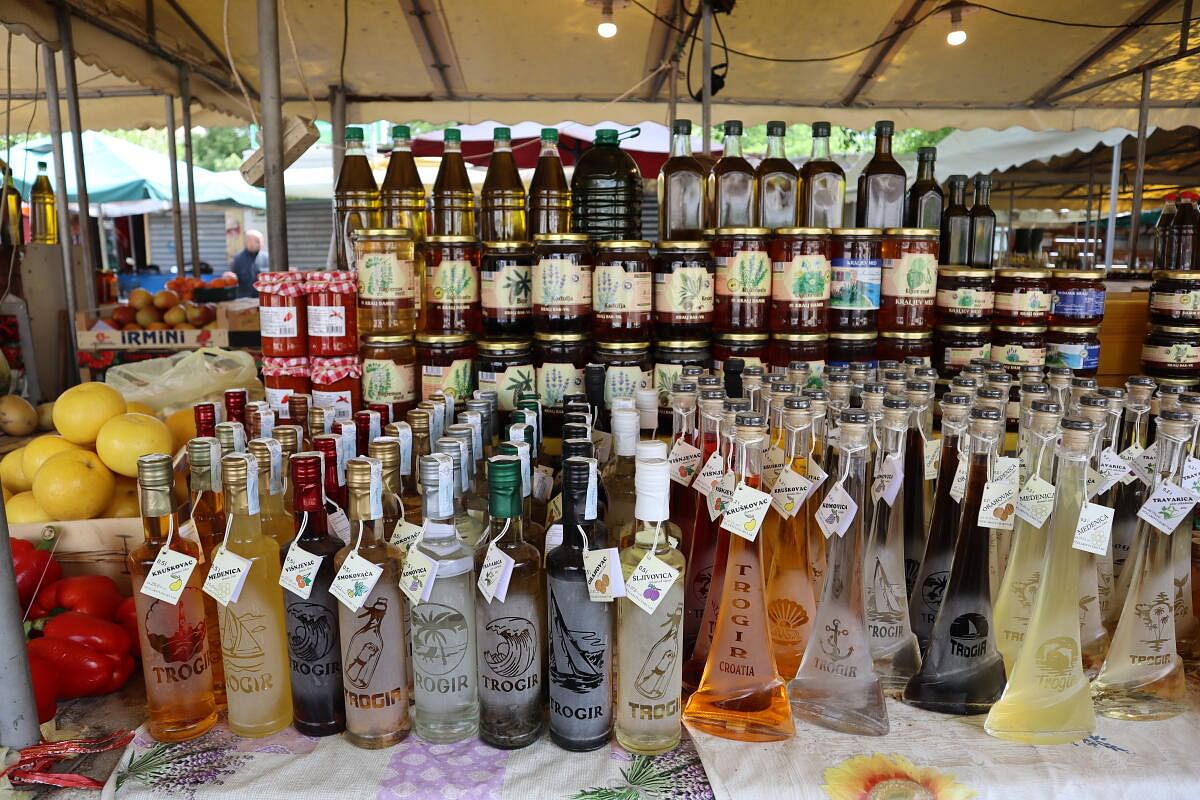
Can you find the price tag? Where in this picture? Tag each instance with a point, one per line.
(226, 576)
(958, 486)
(495, 574)
(1036, 501)
(1093, 529)
(721, 495)
(889, 476)
(1191, 476)
(709, 474)
(354, 581)
(591, 497)
(405, 535)
(1113, 468)
(789, 492)
(299, 570)
(746, 512)
(933, 458)
(603, 440)
(1145, 463)
(543, 482)
(1168, 506)
(683, 460)
(603, 570)
(649, 582)
(837, 511)
(1130, 456)
(168, 575)
(773, 463)
(339, 524)
(999, 497)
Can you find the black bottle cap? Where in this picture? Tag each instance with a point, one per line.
(708, 382)
(874, 388)
(854, 416)
(796, 403)
(988, 393)
(1046, 407)
(736, 404)
(956, 399)
(733, 127)
(1141, 380)
(575, 475)
(885, 127)
(683, 126)
(574, 398)
(895, 375)
(593, 383)
(1170, 388)
(776, 128)
(816, 394)
(574, 430)
(895, 402)
(748, 419)
(1078, 424)
(982, 181)
(917, 386)
(820, 129)
(985, 412)
(575, 418)
(1175, 415)
(926, 153)
(1093, 401)
(1111, 392)
(957, 180)
(577, 447)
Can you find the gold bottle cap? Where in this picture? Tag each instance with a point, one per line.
(358, 474)
(418, 420)
(387, 450)
(234, 469)
(262, 453)
(155, 472)
(289, 437)
(316, 421)
(230, 435)
(199, 451)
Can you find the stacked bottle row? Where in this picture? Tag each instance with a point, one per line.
(1171, 349)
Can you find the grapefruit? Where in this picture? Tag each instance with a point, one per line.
(22, 508)
(125, 439)
(134, 407)
(182, 425)
(81, 410)
(40, 449)
(17, 416)
(124, 500)
(45, 414)
(12, 473)
(74, 485)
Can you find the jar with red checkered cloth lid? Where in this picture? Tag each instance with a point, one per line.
(332, 314)
(336, 385)
(282, 317)
(284, 377)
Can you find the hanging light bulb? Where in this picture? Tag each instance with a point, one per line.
(957, 35)
(607, 27)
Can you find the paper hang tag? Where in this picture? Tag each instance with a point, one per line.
(436, 422)
(475, 420)
(603, 440)
(339, 524)
(445, 488)
(1167, 506)
(709, 474)
(405, 535)
(999, 502)
(590, 499)
(958, 486)
(526, 478)
(543, 482)
(299, 570)
(554, 508)
(214, 465)
(815, 474)
(495, 574)
(1113, 468)
(1036, 501)
(604, 578)
(1093, 529)
(275, 485)
(837, 511)
(239, 437)
(418, 575)
(1145, 464)
(889, 476)
(773, 463)
(168, 575)
(226, 576)
(933, 458)
(1093, 480)
(721, 495)
(746, 512)
(266, 423)
(1008, 469)
(450, 400)
(1191, 476)
(404, 434)
(354, 581)
(789, 492)
(1130, 456)
(683, 460)
(649, 582)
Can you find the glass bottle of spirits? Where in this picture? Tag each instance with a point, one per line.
(502, 200)
(534, 532)
(1093, 636)
(232, 437)
(1047, 700)
(684, 435)
(511, 627)
(918, 492)
(619, 478)
(549, 193)
(43, 221)
(924, 206)
(12, 222)
(276, 521)
(699, 543)
(579, 630)
(208, 520)
(443, 625)
(881, 185)
(401, 194)
(1184, 228)
(818, 400)
(956, 225)
(172, 637)
(372, 638)
(983, 224)
(253, 634)
(836, 686)
(962, 672)
(1163, 244)
(741, 695)
(355, 199)
(468, 525)
(650, 623)
(1187, 627)
(1106, 445)
(681, 181)
(822, 184)
(777, 182)
(474, 497)
(733, 201)
(1131, 491)
(336, 494)
(410, 492)
(453, 200)
(318, 704)
(1142, 677)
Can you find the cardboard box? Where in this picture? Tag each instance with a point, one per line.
(94, 333)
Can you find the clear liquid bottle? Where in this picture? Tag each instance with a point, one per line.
(172, 638)
(822, 184)
(619, 478)
(43, 221)
(956, 225)
(549, 193)
(502, 200)
(1187, 627)
(681, 192)
(469, 526)
(924, 206)
(650, 642)
(1093, 636)
(983, 224)
(401, 194)
(731, 189)
(1131, 491)
(1106, 446)
(276, 521)
(1047, 699)
(880, 201)
(918, 492)
(208, 519)
(355, 199)
(777, 182)
(410, 491)
(475, 497)
(453, 200)
(253, 633)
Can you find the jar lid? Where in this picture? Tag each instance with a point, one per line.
(382, 233)
(1185, 382)
(444, 338)
(1178, 329)
(1087, 274)
(1171, 274)
(963, 328)
(400, 338)
(963, 271)
(682, 344)
(683, 245)
(624, 244)
(1017, 272)
(857, 232)
(906, 334)
(853, 337)
(708, 233)
(803, 231)
(800, 337)
(923, 232)
(623, 345)
(560, 237)
(742, 337)
(561, 337)
(1075, 328)
(500, 345)
(1020, 328)
(743, 231)
(507, 245)
(451, 240)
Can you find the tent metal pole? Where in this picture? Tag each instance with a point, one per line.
(81, 193)
(185, 103)
(50, 67)
(176, 213)
(1114, 182)
(1139, 174)
(272, 132)
(337, 115)
(706, 111)
(1089, 223)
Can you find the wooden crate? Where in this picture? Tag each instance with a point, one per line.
(89, 546)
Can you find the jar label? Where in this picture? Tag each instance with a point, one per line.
(1034, 303)
(385, 381)
(665, 376)
(855, 283)
(326, 321)
(339, 402)
(508, 384)
(966, 301)
(383, 276)
(510, 287)
(1075, 356)
(556, 380)
(278, 322)
(913, 275)
(615, 291)
(452, 283)
(1172, 355)
(454, 379)
(278, 400)
(746, 274)
(686, 292)
(1079, 303)
(562, 286)
(802, 278)
(1176, 304)
(961, 356)
(624, 382)
(1016, 355)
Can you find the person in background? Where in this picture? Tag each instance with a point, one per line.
(249, 263)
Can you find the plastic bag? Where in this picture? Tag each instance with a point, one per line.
(179, 381)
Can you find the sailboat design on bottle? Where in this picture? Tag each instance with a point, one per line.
(575, 656)
(882, 603)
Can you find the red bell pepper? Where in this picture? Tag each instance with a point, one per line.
(98, 634)
(34, 566)
(127, 619)
(97, 595)
(45, 688)
(82, 670)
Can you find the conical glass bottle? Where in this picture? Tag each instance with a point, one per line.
(355, 199)
(777, 182)
(43, 221)
(208, 520)
(276, 521)
(1047, 700)
(681, 192)
(468, 526)
(1131, 491)
(880, 202)
(962, 672)
(475, 497)
(1106, 446)
(401, 194)
(699, 543)
(918, 492)
(452, 204)
(650, 622)
(818, 400)
(983, 224)
(549, 193)
(620, 479)
(1093, 636)
(1187, 627)
(822, 184)
(172, 638)
(733, 201)
(956, 225)
(606, 191)
(924, 206)
(502, 199)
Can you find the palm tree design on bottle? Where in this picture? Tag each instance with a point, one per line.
(439, 637)
(1155, 615)
(518, 282)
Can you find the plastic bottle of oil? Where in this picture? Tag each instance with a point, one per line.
(502, 201)
(43, 221)
(453, 202)
(355, 199)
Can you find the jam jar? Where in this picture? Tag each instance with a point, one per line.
(445, 363)
(336, 384)
(901, 345)
(743, 285)
(505, 366)
(1074, 346)
(1022, 296)
(284, 377)
(856, 273)
(451, 285)
(506, 288)
(800, 275)
(672, 355)
(683, 289)
(282, 321)
(622, 282)
(1174, 298)
(1171, 351)
(562, 283)
(386, 268)
(964, 295)
(909, 285)
(332, 314)
(788, 347)
(560, 359)
(628, 368)
(847, 347)
(954, 346)
(1078, 296)
(1017, 346)
(750, 347)
(389, 372)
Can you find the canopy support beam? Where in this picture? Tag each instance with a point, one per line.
(272, 132)
(706, 96)
(1139, 173)
(434, 43)
(337, 116)
(1125, 73)
(1185, 24)
(877, 60)
(54, 112)
(81, 196)
(185, 103)
(1114, 185)
(680, 43)
(202, 36)
(176, 212)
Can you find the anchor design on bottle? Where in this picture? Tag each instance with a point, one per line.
(830, 646)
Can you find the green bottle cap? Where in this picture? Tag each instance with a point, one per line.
(606, 136)
(354, 134)
(549, 134)
(504, 478)
(452, 135)
(401, 132)
(41, 166)
(502, 134)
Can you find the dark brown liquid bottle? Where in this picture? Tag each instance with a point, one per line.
(956, 225)
(681, 191)
(777, 182)
(731, 191)
(402, 195)
(503, 196)
(822, 184)
(355, 199)
(1163, 238)
(881, 185)
(1183, 229)
(453, 203)
(549, 194)
(924, 208)
(983, 223)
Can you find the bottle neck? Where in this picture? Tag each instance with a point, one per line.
(452, 149)
(237, 501)
(502, 146)
(156, 506)
(306, 499)
(681, 145)
(883, 144)
(925, 169)
(355, 147)
(775, 147)
(1171, 450)
(574, 509)
(983, 195)
(958, 194)
(820, 148)
(799, 441)
(732, 146)
(401, 145)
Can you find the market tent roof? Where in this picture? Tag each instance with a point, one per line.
(471, 60)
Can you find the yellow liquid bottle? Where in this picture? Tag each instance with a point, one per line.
(276, 521)
(355, 200)
(43, 221)
(1093, 636)
(208, 517)
(502, 200)
(401, 194)
(453, 199)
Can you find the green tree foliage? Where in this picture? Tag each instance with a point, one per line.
(842, 140)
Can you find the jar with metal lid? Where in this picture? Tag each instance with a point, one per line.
(856, 274)
(812, 348)
(336, 385)
(965, 295)
(901, 345)
(847, 347)
(621, 290)
(282, 378)
(506, 288)
(671, 356)
(750, 347)
(559, 359)
(386, 270)
(1078, 296)
(909, 284)
(332, 314)
(451, 285)
(954, 346)
(1175, 298)
(445, 363)
(282, 317)
(1172, 351)
(743, 285)
(1016, 346)
(684, 277)
(562, 283)
(800, 278)
(628, 368)
(1022, 296)
(389, 369)
(1074, 346)
(505, 366)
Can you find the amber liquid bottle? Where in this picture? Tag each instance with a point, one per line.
(410, 491)
(822, 184)
(732, 196)
(881, 185)
(924, 206)
(549, 193)
(701, 540)
(402, 195)
(355, 199)
(502, 201)
(208, 517)
(453, 201)
(776, 182)
(983, 224)
(956, 225)
(172, 638)
(681, 189)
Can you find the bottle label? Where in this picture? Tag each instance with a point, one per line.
(277, 399)
(1167, 507)
(961, 356)
(889, 475)
(1174, 304)
(418, 575)
(168, 575)
(647, 585)
(338, 402)
(685, 293)
(665, 376)
(1036, 501)
(1175, 355)
(683, 461)
(790, 491)
(561, 287)
(177, 660)
(495, 574)
(913, 276)
(1017, 355)
(1078, 303)
(615, 291)
(999, 502)
(966, 301)
(747, 274)
(326, 321)
(299, 570)
(405, 535)
(354, 581)
(509, 288)
(1075, 356)
(625, 382)
(746, 511)
(804, 278)
(385, 278)
(579, 640)
(958, 486)
(1025, 303)
(226, 576)
(454, 379)
(510, 646)
(1093, 529)
(508, 384)
(710, 473)
(385, 381)
(556, 380)
(278, 322)
(451, 283)
(933, 459)
(721, 495)
(837, 511)
(855, 283)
